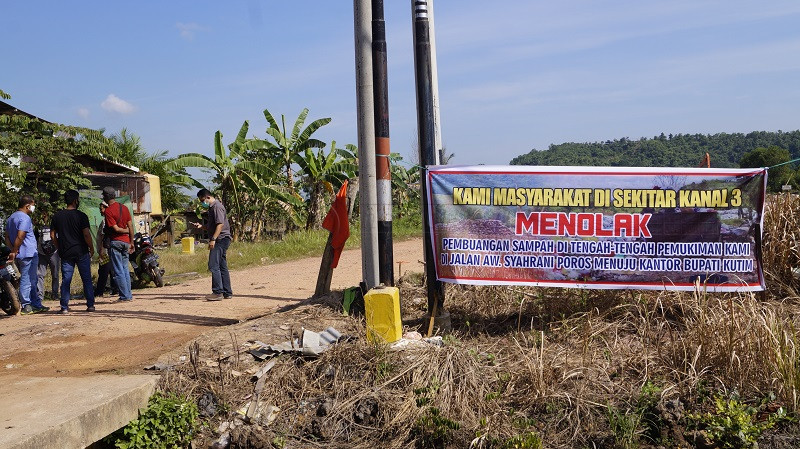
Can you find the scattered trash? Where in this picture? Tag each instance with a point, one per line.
(207, 404)
(270, 414)
(416, 342)
(158, 367)
(223, 442)
(257, 376)
(10, 366)
(310, 344)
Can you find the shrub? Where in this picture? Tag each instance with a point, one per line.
(169, 421)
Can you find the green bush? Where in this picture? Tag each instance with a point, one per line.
(169, 421)
(734, 425)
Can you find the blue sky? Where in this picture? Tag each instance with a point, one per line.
(513, 75)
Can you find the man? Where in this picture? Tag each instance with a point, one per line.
(21, 239)
(70, 233)
(48, 260)
(219, 239)
(120, 228)
(104, 270)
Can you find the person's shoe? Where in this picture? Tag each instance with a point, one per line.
(40, 309)
(27, 310)
(125, 300)
(215, 297)
(227, 296)
(90, 309)
(64, 311)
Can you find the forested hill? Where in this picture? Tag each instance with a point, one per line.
(682, 150)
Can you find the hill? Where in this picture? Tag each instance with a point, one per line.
(681, 150)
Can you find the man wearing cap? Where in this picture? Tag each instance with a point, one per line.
(120, 228)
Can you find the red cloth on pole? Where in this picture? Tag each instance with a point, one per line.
(336, 222)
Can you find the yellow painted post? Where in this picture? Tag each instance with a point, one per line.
(188, 245)
(382, 310)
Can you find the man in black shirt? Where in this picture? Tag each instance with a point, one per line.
(219, 239)
(70, 233)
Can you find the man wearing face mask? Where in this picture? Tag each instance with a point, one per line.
(22, 241)
(70, 233)
(219, 239)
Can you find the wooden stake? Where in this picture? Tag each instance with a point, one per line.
(325, 270)
(433, 316)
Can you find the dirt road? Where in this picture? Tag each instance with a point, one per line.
(124, 337)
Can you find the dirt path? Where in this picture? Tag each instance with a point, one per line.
(124, 337)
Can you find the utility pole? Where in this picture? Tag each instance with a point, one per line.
(362, 15)
(382, 150)
(437, 118)
(427, 143)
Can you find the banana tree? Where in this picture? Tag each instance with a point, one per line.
(323, 173)
(285, 146)
(237, 177)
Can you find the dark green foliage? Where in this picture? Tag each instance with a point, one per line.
(768, 157)
(433, 430)
(168, 422)
(682, 150)
(37, 159)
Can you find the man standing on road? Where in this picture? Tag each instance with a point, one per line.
(70, 233)
(21, 239)
(219, 239)
(120, 227)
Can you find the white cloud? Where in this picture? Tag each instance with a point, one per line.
(83, 112)
(188, 30)
(113, 103)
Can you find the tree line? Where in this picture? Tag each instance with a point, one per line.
(679, 150)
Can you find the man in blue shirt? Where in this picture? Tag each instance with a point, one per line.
(22, 241)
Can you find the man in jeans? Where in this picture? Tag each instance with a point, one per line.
(21, 239)
(219, 239)
(120, 227)
(70, 233)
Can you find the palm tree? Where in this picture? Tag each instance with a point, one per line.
(324, 173)
(286, 146)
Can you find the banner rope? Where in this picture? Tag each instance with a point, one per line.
(783, 163)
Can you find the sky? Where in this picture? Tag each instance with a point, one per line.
(514, 75)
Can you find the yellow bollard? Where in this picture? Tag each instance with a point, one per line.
(382, 309)
(188, 245)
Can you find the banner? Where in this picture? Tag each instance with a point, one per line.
(598, 227)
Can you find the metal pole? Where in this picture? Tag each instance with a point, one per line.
(362, 14)
(427, 143)
(382, 151)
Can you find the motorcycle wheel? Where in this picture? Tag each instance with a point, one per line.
(10, 300)
(155, 273)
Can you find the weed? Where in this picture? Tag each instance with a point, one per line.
(734, 424)
(625, 426)
(527, 440)
(169, 421)
(432, 430)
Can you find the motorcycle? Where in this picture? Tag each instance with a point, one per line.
(9, 280)
(145, 261)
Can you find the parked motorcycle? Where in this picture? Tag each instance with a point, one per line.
(145, 261)
(9, 280)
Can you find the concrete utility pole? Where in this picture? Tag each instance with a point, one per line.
(362, 14)
(382, 151)
(437, 118)
(427, 143)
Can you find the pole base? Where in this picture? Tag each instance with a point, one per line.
(442, 324)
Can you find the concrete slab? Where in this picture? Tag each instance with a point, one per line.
(68, 412)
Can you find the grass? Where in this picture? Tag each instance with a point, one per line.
(293, 246)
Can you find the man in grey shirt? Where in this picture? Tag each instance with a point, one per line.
(219, 235)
